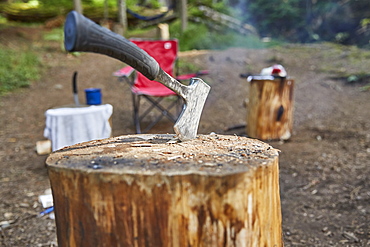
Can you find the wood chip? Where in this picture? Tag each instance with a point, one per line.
(174, 157)
(350, 236)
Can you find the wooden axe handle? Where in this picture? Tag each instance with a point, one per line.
(82, 34)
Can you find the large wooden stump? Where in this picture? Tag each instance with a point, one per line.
(270, 108)
(150, 190)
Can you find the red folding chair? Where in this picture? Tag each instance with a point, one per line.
(165, 53)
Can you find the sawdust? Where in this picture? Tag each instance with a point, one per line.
(207, 154)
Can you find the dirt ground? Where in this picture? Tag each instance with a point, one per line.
(324, 167)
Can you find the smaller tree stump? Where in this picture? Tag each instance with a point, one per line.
(151, 190)
(270, 108)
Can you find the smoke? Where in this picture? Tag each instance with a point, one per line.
(306, 21)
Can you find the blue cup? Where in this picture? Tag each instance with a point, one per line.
(93, 96)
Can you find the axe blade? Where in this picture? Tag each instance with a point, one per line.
(186, 126)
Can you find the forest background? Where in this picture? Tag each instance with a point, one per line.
(345, 22)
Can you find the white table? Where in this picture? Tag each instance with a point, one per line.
(67, 126)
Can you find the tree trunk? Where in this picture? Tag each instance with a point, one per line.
(78, 6)
(270, 108)
(106, 10)
(183, 15)
(150, 190)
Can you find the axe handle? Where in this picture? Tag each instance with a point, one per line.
(82, 34)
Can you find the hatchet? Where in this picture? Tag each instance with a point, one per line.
(82, 34)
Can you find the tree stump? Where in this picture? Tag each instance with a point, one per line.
(151, 190)
(270, 108)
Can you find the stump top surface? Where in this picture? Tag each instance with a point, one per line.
(148, 154)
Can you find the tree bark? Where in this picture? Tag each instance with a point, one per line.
(149, 190)
(183, 15)
(78, 6)
(122, 17)
(270, 108)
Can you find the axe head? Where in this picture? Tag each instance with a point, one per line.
(195, 95)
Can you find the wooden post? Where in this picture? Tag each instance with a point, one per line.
(270, 108)
(163, 32)
(150, 190)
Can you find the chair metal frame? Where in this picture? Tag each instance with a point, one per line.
(156, 92)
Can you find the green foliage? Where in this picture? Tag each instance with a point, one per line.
(31, 11)
(57, 34)
(185, 67)
(2, 20)
(344, 22)
(365, 22)
(200, 37)
(69, 3)
(59, 3)
(365, 88)
(274, 17)
(20, 68)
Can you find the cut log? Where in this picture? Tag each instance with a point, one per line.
(270, 108)
(150, 190)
